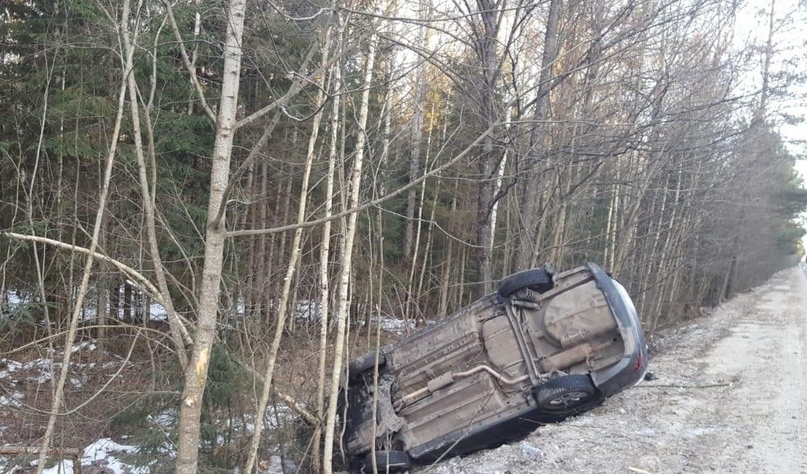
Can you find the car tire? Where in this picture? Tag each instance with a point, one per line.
(536, 279)
(387, 460)
(567, 395)
(358, 365)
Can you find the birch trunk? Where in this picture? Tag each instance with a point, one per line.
(414, 157)
(347, 259)
(196, 373)
(197, 29)
(411, 295)
(324, 258)
(494, 212)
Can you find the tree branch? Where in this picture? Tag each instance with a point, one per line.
(133, 274)
(401, 190)
(186, 60)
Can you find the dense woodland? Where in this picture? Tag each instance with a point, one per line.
(282, 176)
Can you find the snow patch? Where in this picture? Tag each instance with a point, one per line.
(13, 400)
(102, 453)
(105, 455)
(90, 346)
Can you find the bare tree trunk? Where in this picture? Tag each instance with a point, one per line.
(148, 192)
(264, 267)
(766, 67)
(610, 225)
(30, 196)
(556, 253)
(102, 287)
(531, 183)
(545, 202)
(248, 293)
(494, 212)
(411, 296)
(347, 258)
(380, 266)
(196, 374)
(197, 29)
(286, 212)
(324, 258)
(427, 249)
(445, 280)
(446, 287)
(430, 234)
(416, 133)
(485, 41)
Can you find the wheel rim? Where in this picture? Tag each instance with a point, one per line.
(568, 399)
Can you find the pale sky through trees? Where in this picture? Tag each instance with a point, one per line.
(790, 48)
(789, 51)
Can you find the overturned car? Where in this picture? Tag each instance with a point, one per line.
(544, 347)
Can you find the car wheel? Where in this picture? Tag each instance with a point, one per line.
(387, 461)
(365, 362)
(566, 395)
(537, 279)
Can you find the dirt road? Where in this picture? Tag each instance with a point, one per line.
(730, 397)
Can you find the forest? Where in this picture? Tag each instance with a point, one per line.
(229, 199)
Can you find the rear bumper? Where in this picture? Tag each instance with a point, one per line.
(632, 366)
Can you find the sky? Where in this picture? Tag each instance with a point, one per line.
(790, 52)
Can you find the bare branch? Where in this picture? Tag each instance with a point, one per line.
(186, 60)
(367, 205)
(142, 282)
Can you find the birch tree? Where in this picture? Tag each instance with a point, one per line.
(215, 231)
(347, 255)
(324, 259)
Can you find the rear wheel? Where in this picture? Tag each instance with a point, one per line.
(387, 461)
(365, 362)
(567, 395)
(536, 279)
